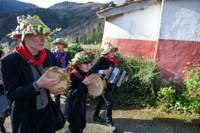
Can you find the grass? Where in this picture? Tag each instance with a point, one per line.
(91, 47)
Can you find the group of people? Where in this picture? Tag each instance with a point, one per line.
(28, 88)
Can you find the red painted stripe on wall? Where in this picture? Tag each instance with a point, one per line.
(142, 48)
(172, 56)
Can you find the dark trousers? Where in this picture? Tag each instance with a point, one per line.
(42, 121)
(2, 128)
(2, 119)
(105, 98)
(65, 113)
(77, 123)
(57, 100)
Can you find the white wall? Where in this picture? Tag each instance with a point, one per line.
(141, 25)
(181, 20)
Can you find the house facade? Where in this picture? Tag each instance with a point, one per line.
(167, 30)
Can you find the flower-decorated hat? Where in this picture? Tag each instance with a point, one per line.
(83, 57)
(29, 25)
(108, 47)
(61, 41)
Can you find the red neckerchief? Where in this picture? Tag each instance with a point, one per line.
(78, 75)
(20, 49)
(113, 60)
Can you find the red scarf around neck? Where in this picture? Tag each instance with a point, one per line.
(23, 51)
(78, 75)
(113, 60)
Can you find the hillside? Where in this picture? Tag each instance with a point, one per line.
(14, 5)
(74, 18)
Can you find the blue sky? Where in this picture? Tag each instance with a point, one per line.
(48, 3)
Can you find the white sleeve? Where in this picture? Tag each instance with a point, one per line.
(100, 71)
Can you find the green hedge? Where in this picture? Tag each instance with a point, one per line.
(142, 88)
(74, 48)
(139, 90)
(186, 99)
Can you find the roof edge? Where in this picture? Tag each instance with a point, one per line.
(124, 8)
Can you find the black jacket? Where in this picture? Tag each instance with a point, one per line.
(76, 96)
(103, 64)
(18, 83)
(1, 90)
(68, 59)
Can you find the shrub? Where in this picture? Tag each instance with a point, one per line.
(9, 46)
(142, 73)
(166, 98)
(191, 88)
(167, 95)
(74, 48)
(94, 48)
(186, 99)
(138, 91)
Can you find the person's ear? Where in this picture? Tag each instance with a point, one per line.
(79, 65)
(26, 36)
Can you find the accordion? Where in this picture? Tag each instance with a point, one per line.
(116, 76)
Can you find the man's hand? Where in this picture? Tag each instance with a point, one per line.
(126, 79)
(1, 82)
(88, 80)
(45, 82)
(106, 72)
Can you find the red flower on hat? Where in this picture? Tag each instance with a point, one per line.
(18, 37)
(88, 53)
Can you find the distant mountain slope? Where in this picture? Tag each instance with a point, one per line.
(65, 5)
(74, 18)
(14, 5)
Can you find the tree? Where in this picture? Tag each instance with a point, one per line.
(93, 37)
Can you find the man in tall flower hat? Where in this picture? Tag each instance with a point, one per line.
(25, 85)
(62, 56)
(103, 63)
